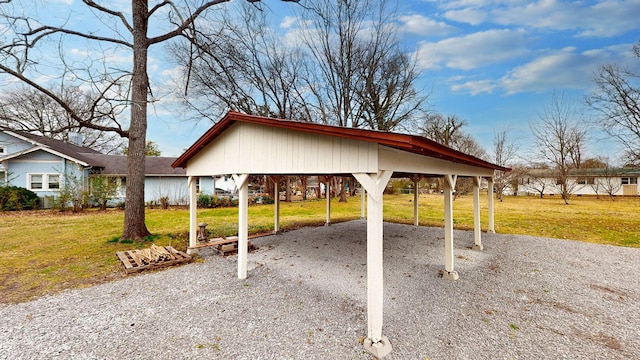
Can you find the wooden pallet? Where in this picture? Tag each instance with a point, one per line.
(133, 263)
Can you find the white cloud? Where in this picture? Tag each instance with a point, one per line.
(468, 15)
(472, 51)
(566, 68)
(475, 87)
(422, 25)
(603, 18)
(288, 22)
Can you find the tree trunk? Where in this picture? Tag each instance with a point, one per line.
(287, 196)
(343, 189)
(134, 217)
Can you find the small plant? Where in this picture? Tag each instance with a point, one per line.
(164, 202)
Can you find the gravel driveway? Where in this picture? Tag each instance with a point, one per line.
(305, 298)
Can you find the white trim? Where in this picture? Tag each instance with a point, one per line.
(45, 149)
(45, 181)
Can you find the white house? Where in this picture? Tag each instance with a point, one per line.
(42, 165)
(611, 181)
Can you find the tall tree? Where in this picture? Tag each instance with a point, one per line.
(617, 98)
(115, 32)
(449, 131)
(504, 153)
(259, 74)
(560, 139)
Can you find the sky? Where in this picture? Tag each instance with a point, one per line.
(493, 64)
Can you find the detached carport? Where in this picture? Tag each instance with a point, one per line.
(244, 145)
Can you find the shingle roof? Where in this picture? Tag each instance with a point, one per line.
(117, 165)
(411, 143)
(108, 164)
(71, 150)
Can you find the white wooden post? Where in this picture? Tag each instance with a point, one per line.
(375, 183)
(416, 184)
(492, 228)
(193, 215)
(327, 193)
(477, 240)
(243, 223)
(449, 185)
(276, 205)
(363, 193)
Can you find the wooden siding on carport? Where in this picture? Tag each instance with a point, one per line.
(406, 162)
(282, 151)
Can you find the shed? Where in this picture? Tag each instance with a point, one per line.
(243, 145)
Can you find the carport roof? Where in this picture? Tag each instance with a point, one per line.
(411, 143)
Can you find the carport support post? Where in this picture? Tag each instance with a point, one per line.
(363, 193)
(416, 184)
(276, 204)
(327, 194)
(375, 183)
(449, 185)
(492, 228)
(477, 240)
(243, 222)
(193, 215)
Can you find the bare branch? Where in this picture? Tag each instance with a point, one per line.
(117, 14)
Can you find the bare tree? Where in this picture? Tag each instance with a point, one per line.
(30, 110)
(610, 182)
(450, 132)
(560, 138)
(504, 153)
(116, 88)
(358, 76)
(617, 98)
(258, 74)
(536, 180)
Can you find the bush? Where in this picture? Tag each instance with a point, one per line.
(205, 200)
(213, 201)
(17, 198)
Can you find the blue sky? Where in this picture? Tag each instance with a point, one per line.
(492, 63)
(496, 63)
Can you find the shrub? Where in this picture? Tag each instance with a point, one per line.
(17, 198)
(205, 200)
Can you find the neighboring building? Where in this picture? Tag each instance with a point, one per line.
(42, 165)
(612, 181)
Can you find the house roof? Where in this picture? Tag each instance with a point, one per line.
(411, 143)
(107, 164)
(117, 165)
(61, 148)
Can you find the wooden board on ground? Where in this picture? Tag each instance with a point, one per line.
(144, 259)
(223, 246)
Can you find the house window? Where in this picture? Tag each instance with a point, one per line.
(44, 181)
(629, 180)
(583, 180)
(3, 150)
(3, 178)
(54, 182)
(35, 182)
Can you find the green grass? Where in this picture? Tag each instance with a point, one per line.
(45, 252)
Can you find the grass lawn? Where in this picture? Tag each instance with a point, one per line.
(43, 252)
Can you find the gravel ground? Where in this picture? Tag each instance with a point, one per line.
(305, 298)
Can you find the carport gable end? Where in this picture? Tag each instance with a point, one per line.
(242, 145)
